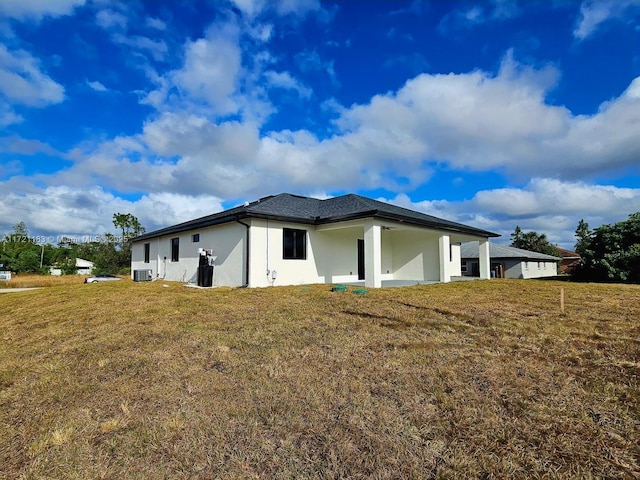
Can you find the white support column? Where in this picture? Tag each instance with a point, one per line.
(485, 261)
(159, 266)
(372, 255)
(444, 246)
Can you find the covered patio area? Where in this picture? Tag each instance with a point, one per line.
(378, 253)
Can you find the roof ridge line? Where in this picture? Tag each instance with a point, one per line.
(364, 200)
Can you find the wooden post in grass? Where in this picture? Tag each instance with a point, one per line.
(562, 300)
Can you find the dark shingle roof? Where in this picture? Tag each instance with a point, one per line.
(313, 211)
(471, 250)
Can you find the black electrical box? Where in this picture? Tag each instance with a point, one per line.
(205, 275)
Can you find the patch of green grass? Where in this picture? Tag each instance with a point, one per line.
(471, 379)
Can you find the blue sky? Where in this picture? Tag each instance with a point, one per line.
(493, 113)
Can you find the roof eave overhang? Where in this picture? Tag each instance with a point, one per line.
(409, 221)
(193, 225)
(208, 222)
(438, 226)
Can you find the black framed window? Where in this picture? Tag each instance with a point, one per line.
(195, 238)
(147, 252)
(294, 244)
(175, 249)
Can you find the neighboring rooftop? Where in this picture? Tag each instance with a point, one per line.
(82, 263)
(568, 254)
(313, 211)
(570, 260)
(471, 250)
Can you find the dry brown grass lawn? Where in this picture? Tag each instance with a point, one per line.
(465, 380)
(28, 280)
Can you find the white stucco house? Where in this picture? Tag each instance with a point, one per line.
(84, 267)
(289, 239)
(509, 262)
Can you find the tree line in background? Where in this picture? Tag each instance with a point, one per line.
(22, 253)
(533, 242)
(610, 253)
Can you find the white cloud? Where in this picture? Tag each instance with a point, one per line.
(22, 82)
(24, 146)
(36, 9)
(415, 8)
(157, 48)
(437, 208)
(208, 75)
(548, 206)
(285, 81)
(117, 19)
(214, 159)
(262, 32)
(97, 86)
(480, 121)
(554, 207)
(156, 23)
(157, 210)
(192, 136)
(465, 121)
(64, 209)
(468, 120)
(593, 14)
(542, 195)
(58, 211)
(298, 8)
(251, 8)
(108, 19)
(310, 61)
(120, 162)
(227, 72)
(474, 14)
(8, 116)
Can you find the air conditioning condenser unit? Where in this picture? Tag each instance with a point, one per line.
(145, 275)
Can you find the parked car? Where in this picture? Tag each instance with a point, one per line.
(101, 278)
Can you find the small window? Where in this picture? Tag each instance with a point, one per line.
(526, 265)
(195, 238)
(294, 245)
(147, 252)
(175, 249)
(539, 265)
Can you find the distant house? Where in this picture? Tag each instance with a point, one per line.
(83, 267)
(508, 262)
(570, 260)
(289, 240)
